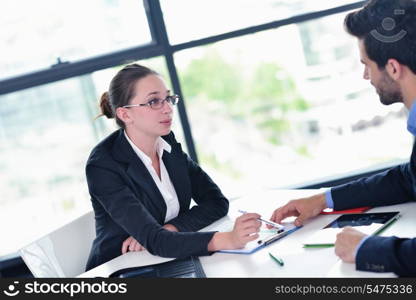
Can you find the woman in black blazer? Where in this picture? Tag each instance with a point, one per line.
(141, 182)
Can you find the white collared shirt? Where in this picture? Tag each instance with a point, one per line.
(164, 184)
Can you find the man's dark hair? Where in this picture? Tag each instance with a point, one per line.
(388, 29)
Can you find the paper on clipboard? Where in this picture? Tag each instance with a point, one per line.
(266, 237)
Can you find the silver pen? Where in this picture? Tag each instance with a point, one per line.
(276, 225)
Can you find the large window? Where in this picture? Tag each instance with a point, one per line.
(39, 34)
(190, 20)
(287, 106)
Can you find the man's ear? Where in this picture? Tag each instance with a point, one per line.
(394, 69)
(123, 114)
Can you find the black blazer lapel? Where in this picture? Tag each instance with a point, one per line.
(176, 166)
(137, 171)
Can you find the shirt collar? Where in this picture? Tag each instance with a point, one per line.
(161, 145)
(411, 121)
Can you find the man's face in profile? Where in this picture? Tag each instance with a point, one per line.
(388, 90)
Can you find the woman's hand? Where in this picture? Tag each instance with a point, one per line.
(246, 228)
(131, 244)
(170, 227)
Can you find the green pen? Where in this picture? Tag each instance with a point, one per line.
(276, 259)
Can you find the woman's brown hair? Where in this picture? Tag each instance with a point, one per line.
(121, 90)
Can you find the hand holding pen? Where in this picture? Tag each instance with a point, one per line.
(246, 228)
(270, 223)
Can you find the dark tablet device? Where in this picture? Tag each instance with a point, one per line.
(368, 223)
(380, 219)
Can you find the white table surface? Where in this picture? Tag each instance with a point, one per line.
(298, 261)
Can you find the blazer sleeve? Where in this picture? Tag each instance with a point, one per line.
(211, 203)
(393, 255)
(107, 186)
(394, 186)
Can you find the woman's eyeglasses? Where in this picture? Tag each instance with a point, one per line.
(157, 103)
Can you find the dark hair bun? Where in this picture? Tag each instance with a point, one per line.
(105, 106)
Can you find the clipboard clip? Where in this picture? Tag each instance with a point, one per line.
(280, 233)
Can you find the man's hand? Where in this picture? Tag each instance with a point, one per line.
(303, 209)
(347, 242)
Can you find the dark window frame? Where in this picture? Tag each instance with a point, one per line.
(160, 46)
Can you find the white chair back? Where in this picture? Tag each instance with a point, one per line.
(63, 252)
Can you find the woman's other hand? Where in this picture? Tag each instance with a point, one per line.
(131, 244)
